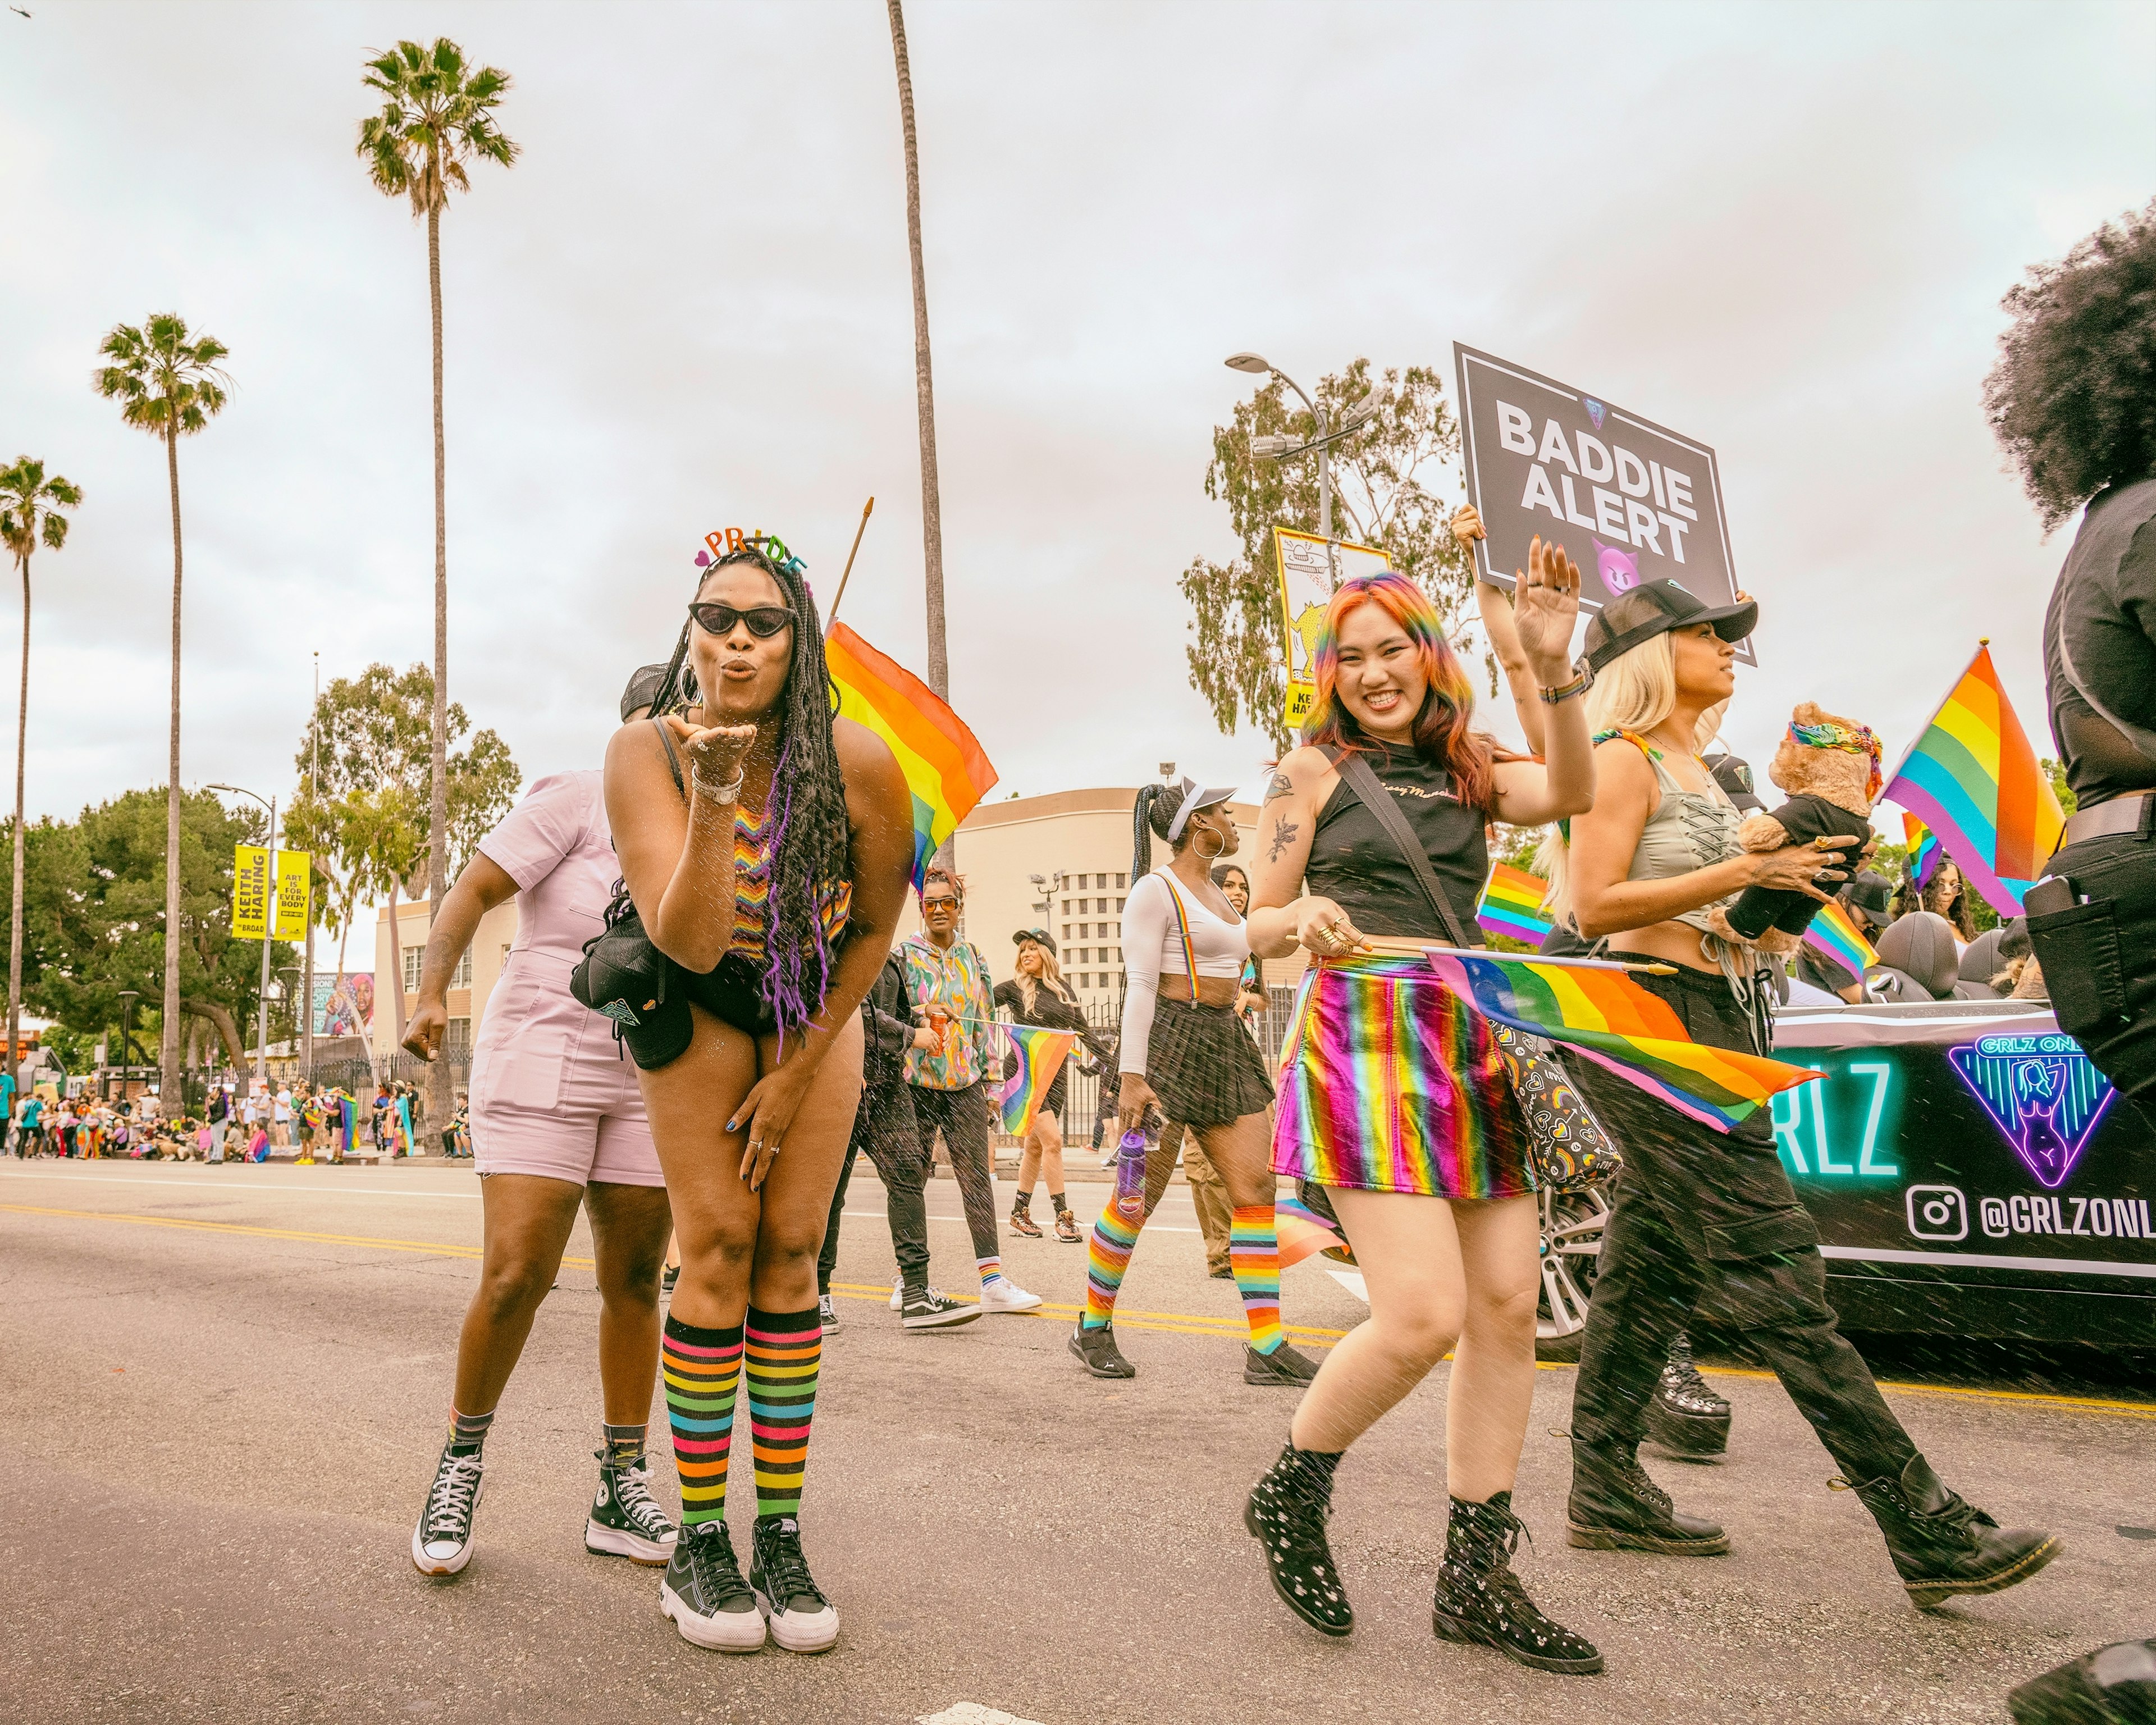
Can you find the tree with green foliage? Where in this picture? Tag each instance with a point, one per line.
(31, 508)
(437, 115)
(1381, 475)
(93, 920)
(171, 387)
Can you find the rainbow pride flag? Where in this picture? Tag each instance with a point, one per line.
(1973, 780)
(1513, 905)
(1924, 852)
(1598, 1010)
(1832, 932)
(1302, 1233)
(943, 764)
(1040, 1055)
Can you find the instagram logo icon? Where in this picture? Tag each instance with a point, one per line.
(1938, 1213)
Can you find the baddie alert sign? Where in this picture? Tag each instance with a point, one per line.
(1629, 501)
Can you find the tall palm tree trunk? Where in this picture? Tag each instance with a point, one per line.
(15, 912)
(168, 1050)
(931, 510)
(437, 809)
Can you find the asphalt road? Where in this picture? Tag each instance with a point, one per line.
(221, 1391)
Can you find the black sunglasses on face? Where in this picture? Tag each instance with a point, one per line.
(763, 621)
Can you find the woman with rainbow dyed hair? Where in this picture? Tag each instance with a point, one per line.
(765, 848)
(1395, 1096)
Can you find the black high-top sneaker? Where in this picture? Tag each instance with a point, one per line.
(1614, 1506)
(1097, 1349)
(2113, 1685)
(1940, 1545)
(442, 1542)
(625, 1522)
(705, 1595)
(802, 1620)
(1282, 1366)
(1687, 1417)
(1285, 1513)
(1479, 1599)
(926, 1308)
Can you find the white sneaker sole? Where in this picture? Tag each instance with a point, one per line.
(449, 1566)
(723, 1632)
(798, 1634)
(605, 1541)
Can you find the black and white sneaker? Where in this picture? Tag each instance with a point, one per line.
(442, 1542)
(624, 1522)
(667, 1277)
(928, 1309)
(828, 1311)
(705, 1595)
(802, 1620)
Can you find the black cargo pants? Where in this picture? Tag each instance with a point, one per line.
(884, 1127)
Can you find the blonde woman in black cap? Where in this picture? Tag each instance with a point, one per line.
(1694, 1206)
(1036, 995)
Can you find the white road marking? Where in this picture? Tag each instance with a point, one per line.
(250, 1190)
(972, 1712)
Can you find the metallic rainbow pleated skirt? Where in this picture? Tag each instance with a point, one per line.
(1390, 1083)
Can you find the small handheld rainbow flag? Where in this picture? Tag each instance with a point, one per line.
(1613, 1021)
(1972, 779)
(1513, 905)
(943, 764)
(1831, 933)
(1302, 1233)
(1924, 852)
(1040, 1055)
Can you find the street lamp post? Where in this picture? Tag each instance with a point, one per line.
(269, 934)
(128, 997)
(1272, 448)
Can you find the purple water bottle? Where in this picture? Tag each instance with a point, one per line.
(1131, 1177)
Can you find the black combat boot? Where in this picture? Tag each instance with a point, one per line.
(2113, 1685)
(1480, 1600)
(1941, 1546)
(1687, 1417)
(1285, 1513)
(1614, 1506)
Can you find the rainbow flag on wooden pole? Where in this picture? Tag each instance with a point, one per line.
(943, 764)
(1972, 779)
(1040, 1055)
(1513, 905)
(1594, 1007)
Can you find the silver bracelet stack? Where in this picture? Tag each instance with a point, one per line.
(716, 792)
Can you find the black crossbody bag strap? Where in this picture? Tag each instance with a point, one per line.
(1355, 773)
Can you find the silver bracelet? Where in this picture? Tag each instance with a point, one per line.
(717, 793)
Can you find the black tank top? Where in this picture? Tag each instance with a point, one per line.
(1355, 864)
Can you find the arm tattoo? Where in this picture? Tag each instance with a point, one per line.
(1279, 785)
(1284, 832)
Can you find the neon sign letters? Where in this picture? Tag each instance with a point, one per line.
(2040, 1093)
(1841, 1126)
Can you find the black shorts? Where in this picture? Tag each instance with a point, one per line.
(732, 992)
(1204, 1065)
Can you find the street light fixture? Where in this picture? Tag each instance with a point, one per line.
(268, 933)
(1272, 447)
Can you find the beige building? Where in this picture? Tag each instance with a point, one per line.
(476, 973)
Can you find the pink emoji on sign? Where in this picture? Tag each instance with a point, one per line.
(1619, 570)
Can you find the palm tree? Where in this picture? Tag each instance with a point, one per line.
(924, 387)
(30, 505)
(437, 113)
(171, 388)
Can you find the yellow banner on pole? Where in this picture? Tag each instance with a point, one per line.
(292, 883)
(1310, 567)
(250, 891)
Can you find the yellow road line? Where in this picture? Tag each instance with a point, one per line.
(1184, 1322)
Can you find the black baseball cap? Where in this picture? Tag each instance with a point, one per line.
(642, 688)
(1039, 936)
(1872, 893)
(1734, 776)
(1654, 608)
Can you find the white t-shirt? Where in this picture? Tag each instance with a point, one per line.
(284, 1106)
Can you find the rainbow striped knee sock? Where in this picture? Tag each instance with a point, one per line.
(1254, 1255)
(785, 1353)
(1107, 1256)
(702, 1370)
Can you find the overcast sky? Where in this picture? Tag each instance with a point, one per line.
(1784, 231)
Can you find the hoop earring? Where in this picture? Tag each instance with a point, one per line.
(1220, 844)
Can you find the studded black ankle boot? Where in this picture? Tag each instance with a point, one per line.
(1687, 1417)
(1941, 1546)
(1480, 1601)
(1615, 1507)
(1285, 1513)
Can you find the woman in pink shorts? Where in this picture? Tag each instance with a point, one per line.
(557, 1120)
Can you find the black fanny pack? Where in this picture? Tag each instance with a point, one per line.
(624, 977)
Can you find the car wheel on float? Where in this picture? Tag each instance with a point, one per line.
(1572, 1226)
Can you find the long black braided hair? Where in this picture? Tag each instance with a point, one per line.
(805, 826)
(1151, 816)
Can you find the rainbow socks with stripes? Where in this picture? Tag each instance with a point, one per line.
(468, 1432)
(785, 1350)
(991, 1268)
(1107, 1256)
(1254, 1255)
(702, 1370)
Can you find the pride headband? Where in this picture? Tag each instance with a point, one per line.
(1835, 735)
(723, 542)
